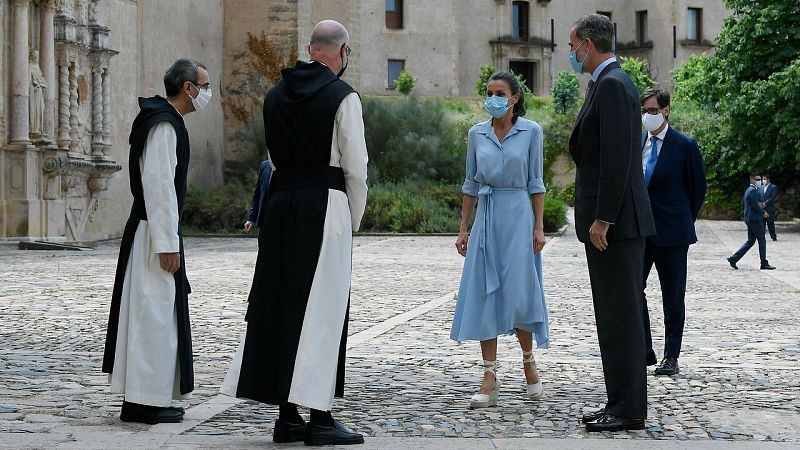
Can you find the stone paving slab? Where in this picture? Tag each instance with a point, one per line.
(407, 383)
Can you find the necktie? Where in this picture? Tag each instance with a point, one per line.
(589, 88)
(651, 161)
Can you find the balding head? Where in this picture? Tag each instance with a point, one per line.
(328, 35)
(330, 45)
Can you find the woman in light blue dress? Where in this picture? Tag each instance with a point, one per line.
(501, 285)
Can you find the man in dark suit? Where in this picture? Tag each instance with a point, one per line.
(675, 179)
(612, 219)
(770, 195)
(260, 192)
(754, 216)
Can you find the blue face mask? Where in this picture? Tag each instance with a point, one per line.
(573, 60)
(496, 106)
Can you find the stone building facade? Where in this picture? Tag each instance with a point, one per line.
(71, 71)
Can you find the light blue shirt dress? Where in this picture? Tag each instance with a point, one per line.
(501, 285)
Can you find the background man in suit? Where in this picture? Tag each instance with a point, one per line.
(754, 216)
(675, 179)
(770, 195)
(612, 219)
(260, 192)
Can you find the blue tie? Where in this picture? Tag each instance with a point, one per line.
(651, 161)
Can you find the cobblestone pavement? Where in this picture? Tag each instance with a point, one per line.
(406, 381)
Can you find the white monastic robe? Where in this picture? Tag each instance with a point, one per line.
(315, 364)
(145, 365)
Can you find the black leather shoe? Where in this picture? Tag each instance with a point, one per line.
(668, 366)
(591, 417)
(338, 434)
(177, 408)
(610, 423)
(732, 263)
(767, 267)
(651, 358)
(151, 415)
(288, 432)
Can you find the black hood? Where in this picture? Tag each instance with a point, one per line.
(303, 81)
(150, 107)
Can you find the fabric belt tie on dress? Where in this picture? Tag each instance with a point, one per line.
(485, 239)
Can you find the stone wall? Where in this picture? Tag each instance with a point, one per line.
(242, 85)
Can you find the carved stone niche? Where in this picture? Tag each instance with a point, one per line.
(82, 162)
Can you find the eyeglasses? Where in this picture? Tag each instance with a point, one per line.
(347, 49)
(652, 111)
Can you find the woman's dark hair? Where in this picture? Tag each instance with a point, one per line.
(516, 89)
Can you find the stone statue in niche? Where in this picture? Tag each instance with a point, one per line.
(94, 17)
(37, 94)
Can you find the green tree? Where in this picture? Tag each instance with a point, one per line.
(637, 69)
(405, 82)
(483, 78)
(748, 93)
(566, 92)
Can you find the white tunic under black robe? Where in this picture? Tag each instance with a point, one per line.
(143, 338)
(297, 318)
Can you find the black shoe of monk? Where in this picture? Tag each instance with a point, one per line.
(289, 432)
(338, 434)
(151, 415)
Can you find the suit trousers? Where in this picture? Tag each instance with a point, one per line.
(771, 226)
(755, 232)
(616, 277)
(670, 264)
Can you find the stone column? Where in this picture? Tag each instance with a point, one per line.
(97, 111)
(63, 103)
(74, 137)
(107, 111)
(20, 78)
(47, 62)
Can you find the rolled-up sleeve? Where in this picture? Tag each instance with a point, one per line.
(471, 186)
(536, 161)
(158, 163)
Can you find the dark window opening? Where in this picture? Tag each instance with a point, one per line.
(694, 24)
(520, 13)
(527, 69)
(642, 35)
(394, 14)
(395, 66)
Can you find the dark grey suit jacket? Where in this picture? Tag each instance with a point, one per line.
(606, 147)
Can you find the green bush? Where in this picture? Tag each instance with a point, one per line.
(218, 210)
(637, 69)
(565, 194)
(555, 214)
(405, 82)
(566, 92)
(405, 208)
(409, 138)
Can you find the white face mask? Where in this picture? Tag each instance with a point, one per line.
(202, 99)
(652, 122)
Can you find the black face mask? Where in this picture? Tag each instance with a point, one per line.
(344, 64)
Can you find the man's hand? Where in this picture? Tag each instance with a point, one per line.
(248, 226)
(597, 234)
(170, 262)
(461, 243)
(766, 215)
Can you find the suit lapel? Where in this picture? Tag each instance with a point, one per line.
(586, 104)
(666, 152)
